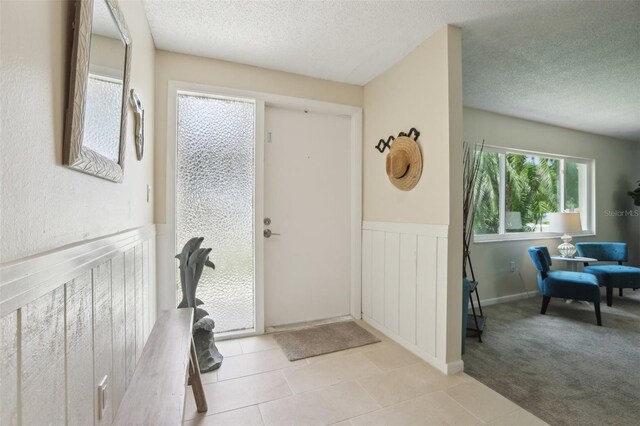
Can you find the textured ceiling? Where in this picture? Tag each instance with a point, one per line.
(103, 23)
(571, 64)
(574, 64)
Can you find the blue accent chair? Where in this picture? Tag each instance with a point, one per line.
(563, 284)
(609, 275)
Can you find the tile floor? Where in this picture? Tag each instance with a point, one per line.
(379, 384)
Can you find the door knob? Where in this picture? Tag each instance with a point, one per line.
(267, 233)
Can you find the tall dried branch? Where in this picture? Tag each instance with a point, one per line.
(471, 167)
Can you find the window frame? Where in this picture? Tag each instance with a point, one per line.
(502, 235)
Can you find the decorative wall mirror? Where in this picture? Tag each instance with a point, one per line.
(96, 116)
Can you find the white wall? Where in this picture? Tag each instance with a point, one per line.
(616, 173)
(45, 205)
(423, 90)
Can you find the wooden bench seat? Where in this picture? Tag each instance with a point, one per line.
(157, 390)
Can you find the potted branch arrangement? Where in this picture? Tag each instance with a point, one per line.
(471, 170)
(635, 194)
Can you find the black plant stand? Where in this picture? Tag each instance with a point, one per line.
(474, 319)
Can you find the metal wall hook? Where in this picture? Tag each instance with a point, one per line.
(382, 145)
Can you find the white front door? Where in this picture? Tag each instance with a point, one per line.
(232, 162)
(307, 198)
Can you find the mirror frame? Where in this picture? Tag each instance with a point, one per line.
(75, 155)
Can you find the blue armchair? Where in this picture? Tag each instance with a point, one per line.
(610, 275)
(563, 284)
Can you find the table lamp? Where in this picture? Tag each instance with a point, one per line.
(513, 221)
(566, 223)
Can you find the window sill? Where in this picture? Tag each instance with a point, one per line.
(481, 239)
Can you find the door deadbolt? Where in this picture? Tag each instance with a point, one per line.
(267, 221)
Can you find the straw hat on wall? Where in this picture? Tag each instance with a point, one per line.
(404, 163)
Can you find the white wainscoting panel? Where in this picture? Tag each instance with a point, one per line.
(391, 280)
(404, 281)
(79, 341)
(119, 374)
(407, 288)
(102, 336)
(129, 314)
(9, 369)
(426, 293)
(68, 318)
(41, 359)
(140, 305)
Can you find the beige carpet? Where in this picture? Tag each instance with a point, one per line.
(323, 339)
(561, 366)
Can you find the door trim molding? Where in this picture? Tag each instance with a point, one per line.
(166, 234)
(356, 214)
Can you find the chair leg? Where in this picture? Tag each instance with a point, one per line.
(620, 291)
(609, 295)
(545, 304)
(598, 318)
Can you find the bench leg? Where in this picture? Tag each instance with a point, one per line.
(545, 303)
(609, 295)
(598, 318)
(620, 291)
(196, 381)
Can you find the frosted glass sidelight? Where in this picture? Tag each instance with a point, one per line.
(215, 198)
(103, 108)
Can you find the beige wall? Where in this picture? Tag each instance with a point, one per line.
(107, 52)
(412, 93)
(423, 90)
(616, 172)
(193, 69)
(44, 204)
(455, 245)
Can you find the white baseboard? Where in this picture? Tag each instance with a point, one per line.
(454, 367)
(517, 296)
(446, 368)
(508, 298)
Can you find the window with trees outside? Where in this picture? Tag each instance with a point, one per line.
(516, 190)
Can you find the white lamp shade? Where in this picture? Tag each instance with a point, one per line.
(513, 220)
(565, 223)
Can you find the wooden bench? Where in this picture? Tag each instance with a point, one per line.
(157, 390)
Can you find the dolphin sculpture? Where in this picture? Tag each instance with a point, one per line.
(193, 260)
(189, 248)
(195, 265)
